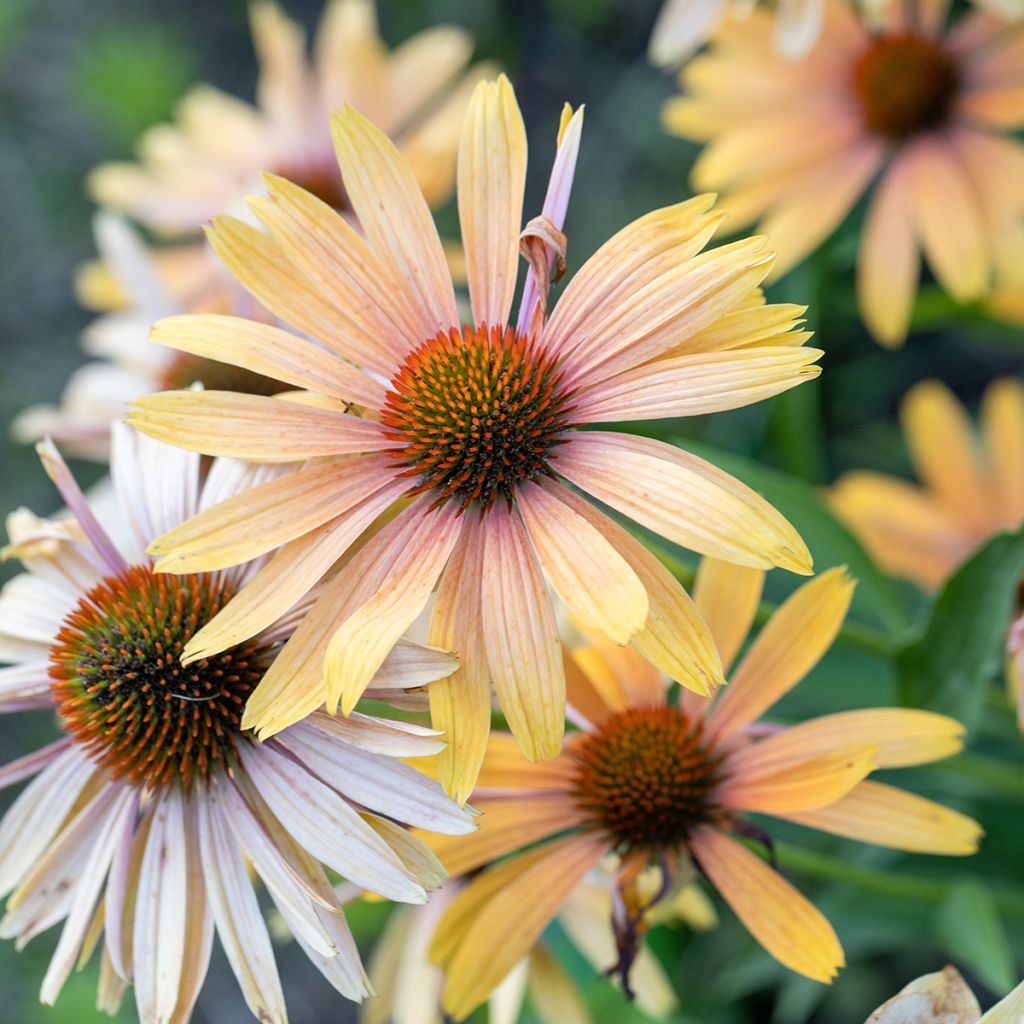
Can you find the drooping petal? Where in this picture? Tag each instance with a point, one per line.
(523, 648)
(1002, 415)
(586, 571)
(674, 636)
(460, 705)
(692, 385)
(787, 648)
(888, 264)
(512, 920)
(886, 816)
(269, 351)
(764, 786)
(506, 824)
(783, 921)
(158, 943)
(288, 577)
(240, 924)
(727, 597)
(362, 641)
(326, 826)
(491, 179)
(902, 737)
(253, 427)
(683, 498)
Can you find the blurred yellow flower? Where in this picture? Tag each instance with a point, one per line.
(670, 784)
(945, 998)
(927, 110)
(968, 491)
(474, 428)
(213, 154)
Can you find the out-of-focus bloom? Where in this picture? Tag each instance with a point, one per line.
(967, 493)
(475, 428)
(683, 26)
(926, 110)
(945, 998)
(133, 285)
(670, 785)
(141, 822)
(409, 986)
(213, 155)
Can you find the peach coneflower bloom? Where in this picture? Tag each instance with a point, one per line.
(683, 26)
(204, 163)
(926, 110)
(140, 821)
(971, 487)
(475, 427)
(134, 285)
(670, 785)
(945, 998)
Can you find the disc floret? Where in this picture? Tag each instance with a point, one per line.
(906, 85)
(647, 778)
(122, 692)
(479, 412)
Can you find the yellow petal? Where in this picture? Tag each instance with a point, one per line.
(460, 706)
(764, 786)
(362, 642)
(888, 265)
(683, 498)
(727, 597)
(506, 928)
(787, 648)
(524, 652)
(586, 571)
(269, 351)
(1002, 414)
(674, 637)
(942, 445)
(491, 179)
(252, 426)
(902, 736)
(269, 515)
(886, 816)
(783, 921)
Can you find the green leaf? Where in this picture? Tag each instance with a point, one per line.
(830, 542)
(972, 932)
(949, 666)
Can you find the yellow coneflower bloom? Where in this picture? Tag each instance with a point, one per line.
(927, 110)
(945, 998)
(670, 784)
(214, 153)
(971, 488)
(134, 285)
(141, 821)
(475, 426)
(409, 986)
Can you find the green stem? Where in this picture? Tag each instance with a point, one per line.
(997, 778)
(884, 882)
